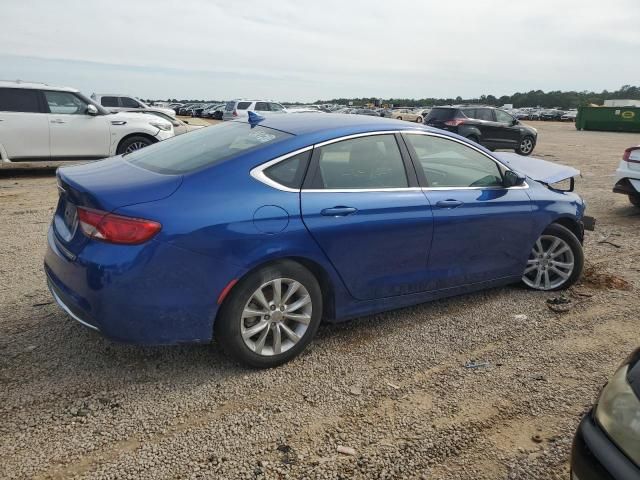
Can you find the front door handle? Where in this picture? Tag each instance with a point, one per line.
(57, 120)
(450, 203)
(338, 211)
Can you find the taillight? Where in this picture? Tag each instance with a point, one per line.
(112, 228)
(235, 113)
(455, 122)
(632, 155)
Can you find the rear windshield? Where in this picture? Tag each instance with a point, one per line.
(204, 147)
(442, 113)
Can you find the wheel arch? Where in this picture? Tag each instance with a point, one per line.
(135, 134)
(572, 225)
(317, 270)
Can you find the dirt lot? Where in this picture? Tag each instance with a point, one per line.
(394, 387)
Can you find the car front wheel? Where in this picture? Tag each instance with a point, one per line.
(271, 315)
(635, 200)
(132, 144)
(526, 146)
(418, 119)
(555, 261)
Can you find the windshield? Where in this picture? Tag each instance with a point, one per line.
(204, 147)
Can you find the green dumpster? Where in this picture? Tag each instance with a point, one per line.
(611, 119)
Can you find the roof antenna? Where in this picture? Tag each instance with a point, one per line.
(254, 117)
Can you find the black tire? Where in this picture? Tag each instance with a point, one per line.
(526, 146)
(131, 144)
(473, 138)
(419, 120)
(635, 200)
(227, 327)
(566, 235)
(398, 118)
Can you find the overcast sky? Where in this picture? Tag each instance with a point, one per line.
(309, 49)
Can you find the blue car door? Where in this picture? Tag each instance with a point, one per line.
(482, 230)
(364, 208)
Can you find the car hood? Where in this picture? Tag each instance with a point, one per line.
(136, 118)
(536, 168)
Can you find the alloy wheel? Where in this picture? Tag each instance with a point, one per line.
(135, 146)
(276, 317)
(550, 263)
(526, 146)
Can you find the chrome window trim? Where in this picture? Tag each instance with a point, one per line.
(258, 172)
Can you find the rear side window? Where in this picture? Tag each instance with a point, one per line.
(205, 147)
(19, 100)
(484, 114)
(442, 114)
(109, 101)
(229, 106)
(129, 102)
(261, 107)
(289, 172)
(243, 105)
(361, 163)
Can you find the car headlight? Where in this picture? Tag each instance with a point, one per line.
(618, 413)
(162, 126)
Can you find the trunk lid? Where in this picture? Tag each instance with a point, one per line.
(105, 185)
(536, 168)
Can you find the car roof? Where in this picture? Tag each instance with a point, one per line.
(34, 85)
(326, 127)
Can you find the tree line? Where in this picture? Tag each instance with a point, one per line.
(534, 98)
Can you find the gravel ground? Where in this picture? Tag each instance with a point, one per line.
(385, 396)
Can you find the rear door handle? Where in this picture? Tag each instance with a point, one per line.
(57, 121)
(338, 211)
(449, 203)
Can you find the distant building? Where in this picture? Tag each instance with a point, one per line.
(622, 103)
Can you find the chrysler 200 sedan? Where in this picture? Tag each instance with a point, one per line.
(252, 232)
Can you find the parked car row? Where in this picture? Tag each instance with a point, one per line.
(43, 122)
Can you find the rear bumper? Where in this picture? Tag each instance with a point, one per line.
(595, 457)
(151, 294)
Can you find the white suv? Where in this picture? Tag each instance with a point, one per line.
(123, 103)
(41, 122)
(240, 108)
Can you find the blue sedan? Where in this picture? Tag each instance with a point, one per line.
(253, 232)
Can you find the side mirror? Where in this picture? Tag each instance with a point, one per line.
(512, 179)
(92, 110)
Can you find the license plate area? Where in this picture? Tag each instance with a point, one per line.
(66, 220)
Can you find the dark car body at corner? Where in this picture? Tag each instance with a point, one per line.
(490, 127)
(594, 455)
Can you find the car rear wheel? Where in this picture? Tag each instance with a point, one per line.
(635, 200)
(419, 120)
(526, 146)
(555, 261)
(398, 118)
(271, 315)
(132, 144)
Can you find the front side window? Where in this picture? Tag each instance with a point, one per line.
(204, 147)
(262, 107)
(504, 117)
(276, 107)
(65, 103)
(109, 101)
(447, 163)
(19, 100)
(361, 163)
(128, 102)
